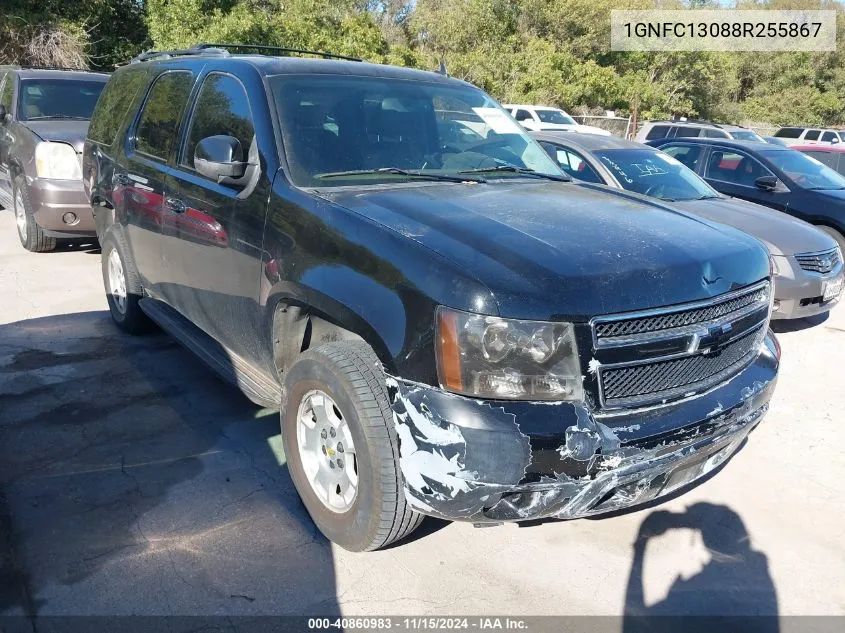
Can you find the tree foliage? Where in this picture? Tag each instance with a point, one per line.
(555, 52)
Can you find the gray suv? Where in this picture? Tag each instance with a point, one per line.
(44, 117)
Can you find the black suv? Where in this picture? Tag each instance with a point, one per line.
(44, 116)
(452, 331)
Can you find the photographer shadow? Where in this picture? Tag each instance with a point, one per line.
(734, 588)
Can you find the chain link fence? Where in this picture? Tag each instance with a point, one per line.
(616, 125)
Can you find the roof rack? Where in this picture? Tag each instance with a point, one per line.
(223, 50)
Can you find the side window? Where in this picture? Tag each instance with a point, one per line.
(222, 108)
(788, 132)
(159, 122)
(114, 104)
(658, 131)
(830, 137)
(714, 133)
(812, 135)
(6, 91)
(572, 163)
(523, 115)
(686, 154)
(734, 167)
(688, 131)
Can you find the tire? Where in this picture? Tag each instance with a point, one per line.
(350, 374)
(836, 235)
(31, 235)
(124, 308)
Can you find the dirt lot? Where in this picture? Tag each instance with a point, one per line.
(133, 481)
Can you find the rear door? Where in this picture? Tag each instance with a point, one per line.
(142, 181)
(215, 253)
(7, 90)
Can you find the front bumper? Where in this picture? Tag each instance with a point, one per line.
(468, 459)
(799, 294)
(51, 200)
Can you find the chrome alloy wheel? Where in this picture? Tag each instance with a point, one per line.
(326, 451)
(20, 216)
(117, 281)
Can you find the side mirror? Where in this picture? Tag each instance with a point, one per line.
(219, 158)
(3, 114)
(833, 141)
(766, 183)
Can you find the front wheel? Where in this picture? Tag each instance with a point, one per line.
(341, 447)
(123, 286)
(30, 234)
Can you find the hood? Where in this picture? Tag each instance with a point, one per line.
(67, 131)
(781, 233)
(539, 125)
(590, 129)
(551, 250)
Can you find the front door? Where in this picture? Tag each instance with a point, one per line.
(217, 257)
(734, 173)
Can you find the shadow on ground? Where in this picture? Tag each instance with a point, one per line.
(796, 325)
(133, 481)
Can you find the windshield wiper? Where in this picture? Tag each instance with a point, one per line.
(518, 170)
(708, 196)
(400, 172)
(56, 116)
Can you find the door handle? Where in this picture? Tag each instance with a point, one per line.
(175, 205)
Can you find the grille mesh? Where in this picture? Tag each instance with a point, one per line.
(688, 373)
(819, 262)
(665, 321)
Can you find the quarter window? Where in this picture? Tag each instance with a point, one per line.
(159, 122)
(222, 108)
(734, 167)
(789, 132)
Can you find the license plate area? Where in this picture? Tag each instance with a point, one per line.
(832, 289)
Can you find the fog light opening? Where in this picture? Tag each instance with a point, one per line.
(70, 218)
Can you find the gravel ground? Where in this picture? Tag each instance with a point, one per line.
(133, 481)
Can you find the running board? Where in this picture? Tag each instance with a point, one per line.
(255, 384)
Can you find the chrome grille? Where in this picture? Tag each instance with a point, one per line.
(669, 353)
(823, 262)
(673, 378)
(678, 317)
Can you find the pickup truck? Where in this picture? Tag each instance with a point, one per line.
(455, 331)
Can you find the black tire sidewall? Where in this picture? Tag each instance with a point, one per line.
(133, 321)
(354, 529)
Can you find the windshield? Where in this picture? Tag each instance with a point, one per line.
(655, 174)
(555, 116)
(805, 171)
(747, 135)
(332, 125)
(58, 99)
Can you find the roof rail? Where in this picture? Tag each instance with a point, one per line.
(275, 49)
(147, 56)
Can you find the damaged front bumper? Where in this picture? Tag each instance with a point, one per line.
(468, 459)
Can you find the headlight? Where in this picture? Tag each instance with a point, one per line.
(778, 265)
(495, 358)
(57, 160)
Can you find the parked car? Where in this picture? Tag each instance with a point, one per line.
(809, 136)
(692, 128)
(776, 177)
(413, 308)
(774, 140)
(804, 284)
(533, 117)
(830, 155)
(43, 119)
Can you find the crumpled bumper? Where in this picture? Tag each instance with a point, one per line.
(468, 459)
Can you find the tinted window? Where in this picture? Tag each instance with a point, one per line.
(523, 115)
(658, 131)
(735, 167)
(812, 135)
(789, 132)
(222, 107)
(686, 154)
(688, 131)
(114, 104)
(159, 122)
(338, 124)
(555, 116)
(714, 133)
(572, 162)
(806, 172)
(829, 137)
(8, 89)
(655, 174)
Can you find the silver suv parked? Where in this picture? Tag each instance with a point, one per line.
(809, 136)
(652, 130)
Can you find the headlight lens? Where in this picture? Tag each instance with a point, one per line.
(57, 160)
(490, 357)
(779, 265)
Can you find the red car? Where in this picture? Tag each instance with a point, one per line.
(831, 155)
